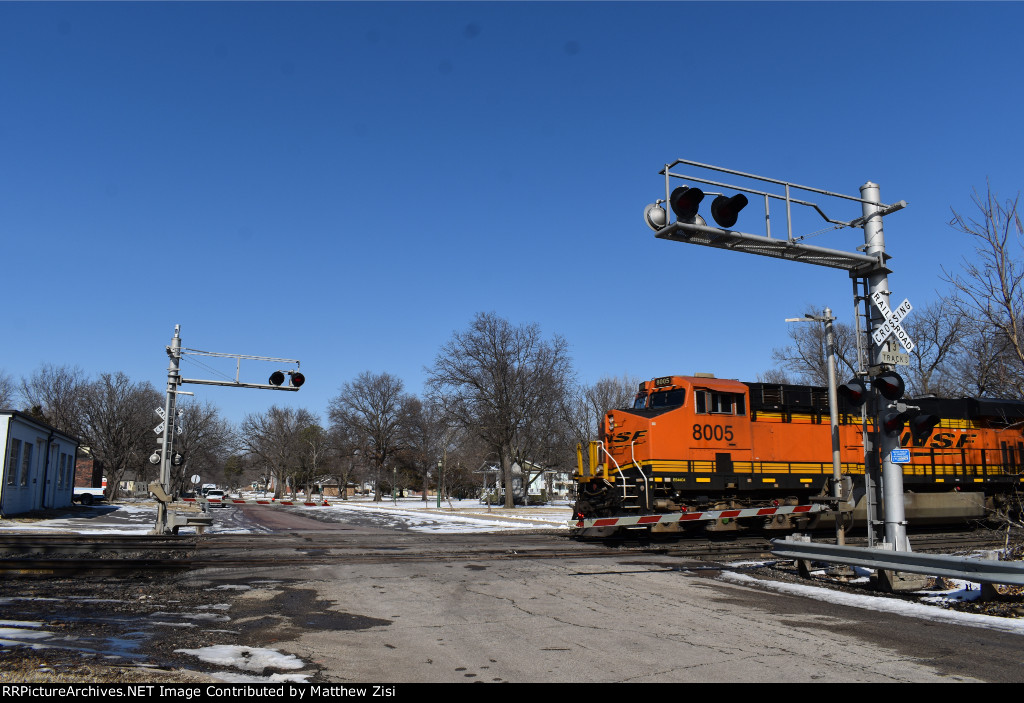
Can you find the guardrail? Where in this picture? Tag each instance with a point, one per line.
(1010, 573)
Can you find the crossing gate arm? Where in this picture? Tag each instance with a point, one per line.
(268, 501)
(671, 518)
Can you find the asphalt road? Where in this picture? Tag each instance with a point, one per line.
(634, 618)
(463, 614)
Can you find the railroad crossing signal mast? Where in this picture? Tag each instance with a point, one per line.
(167, 521)
(867, 268)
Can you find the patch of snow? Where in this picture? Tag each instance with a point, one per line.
(247, 659)
(895, 606)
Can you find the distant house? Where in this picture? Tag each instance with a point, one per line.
(546, 483)
(38, 468)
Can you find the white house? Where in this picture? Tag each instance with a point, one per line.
(38, 469)
(555, 485)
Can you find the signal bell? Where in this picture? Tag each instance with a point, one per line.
(655, 217)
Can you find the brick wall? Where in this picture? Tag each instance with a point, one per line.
(88, 472)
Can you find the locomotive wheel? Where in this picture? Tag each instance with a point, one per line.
(587, 510)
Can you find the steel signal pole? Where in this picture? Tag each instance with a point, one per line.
(166, 521)
(163, 519)
(869, 266)
(894, 515)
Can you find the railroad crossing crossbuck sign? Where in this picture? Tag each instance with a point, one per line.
(892, 327)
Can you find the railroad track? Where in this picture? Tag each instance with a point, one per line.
(68, 554)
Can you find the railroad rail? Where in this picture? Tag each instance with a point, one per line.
(66, 554)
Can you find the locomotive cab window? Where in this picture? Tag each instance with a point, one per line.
(668, 399)
(640, 402)
(720, 403)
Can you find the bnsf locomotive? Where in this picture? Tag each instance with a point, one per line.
(699, 443)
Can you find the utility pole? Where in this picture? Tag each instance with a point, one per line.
(833, 411)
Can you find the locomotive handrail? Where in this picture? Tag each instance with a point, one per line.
(617, 467)
(647, 486)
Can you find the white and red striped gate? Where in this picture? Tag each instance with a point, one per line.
(669, 518)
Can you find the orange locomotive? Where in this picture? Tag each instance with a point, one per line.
(698, 443)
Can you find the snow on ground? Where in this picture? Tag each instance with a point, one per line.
(408, 514)
(249, 659)
(925, 608)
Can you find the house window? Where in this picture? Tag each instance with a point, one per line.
(26, 464)
(12, 461)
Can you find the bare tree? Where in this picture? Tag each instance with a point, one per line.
(316, 447)
(990, 287)
(498, 380)
(6, 391)
(344, 451)
(275, 438)
(807, 355)
(116, 424)
(938, 331)
(425, 439)
(587, 405)
(373, 409)
(984, 364)
(54, 394)
(775, 376)
(205, 442)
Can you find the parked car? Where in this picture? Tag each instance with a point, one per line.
(87, 496)
(218, 495)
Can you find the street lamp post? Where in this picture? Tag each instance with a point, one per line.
(833, 410)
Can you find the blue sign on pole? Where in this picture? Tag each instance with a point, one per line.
(899, 456)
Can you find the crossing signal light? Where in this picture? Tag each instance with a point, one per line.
(726, 210)
(890, 384)
(854, 392)
(893, 421)
(295, 379)
(921, 426)
(685, 202)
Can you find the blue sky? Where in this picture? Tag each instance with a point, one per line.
(349, 183)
